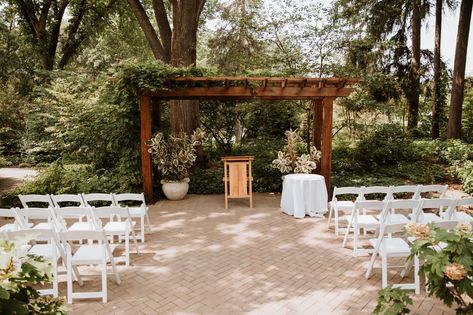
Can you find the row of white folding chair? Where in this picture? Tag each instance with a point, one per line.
(357, 221)
(85, 200)
(96, 252)
(388, 192)
(120, 224)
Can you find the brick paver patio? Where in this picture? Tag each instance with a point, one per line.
(203, 259)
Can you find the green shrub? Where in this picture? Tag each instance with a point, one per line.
(387, 144)
(205, 182)
(465, 173)
(73, 179)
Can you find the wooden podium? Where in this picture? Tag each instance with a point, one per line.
(237, 178)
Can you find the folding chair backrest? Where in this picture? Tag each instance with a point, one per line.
(6, 213)
(437, 203)
(400, 192)
(427, 190)
(31, 235)
(35, 213)
(374, 205)
(127, 198)
(338, 191)
(38, 201)
(465, 202)
(98, 199)
(67, 200)
(379, 192)
(72, 212)
(111, 213)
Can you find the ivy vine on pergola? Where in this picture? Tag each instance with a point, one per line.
(322, 92)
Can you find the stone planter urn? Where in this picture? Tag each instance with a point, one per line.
(175, 190)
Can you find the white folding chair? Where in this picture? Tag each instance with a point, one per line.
(120, 225)
(412, 190)
(387, 247)
(357, 221)
(426, 190)
(51, 251)
(420, 216)
(88, 254)
(140, 211)
(71, 200)
(455, 212)
(37, 200)
(342, 205)
(98, 200)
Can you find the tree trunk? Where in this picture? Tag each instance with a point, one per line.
(413, 95)
(437, 100)
(456, 101)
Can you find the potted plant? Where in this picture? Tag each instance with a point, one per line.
(288, 159)
(174, 157)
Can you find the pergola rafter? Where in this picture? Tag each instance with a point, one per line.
(322, 91)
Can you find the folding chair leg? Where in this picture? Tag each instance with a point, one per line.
(330, 217)
(142, 221)
(148, 222)
(104, 281)
(407, 268)
(416, 275)
(356, 234)
(384, 271)
(127, 250)
(55, 279)
(370, 266)
(69, 281)
(345, 239)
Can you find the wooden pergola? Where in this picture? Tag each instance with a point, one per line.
(322, 92)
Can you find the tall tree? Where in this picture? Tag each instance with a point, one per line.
(43, 21)
(436, 100)
(414, 91)
(458, 84)
(174, 42)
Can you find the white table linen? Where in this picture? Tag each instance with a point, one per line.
(304, 194)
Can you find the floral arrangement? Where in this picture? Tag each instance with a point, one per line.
(447, 258)
(288, 159)
(16, 294)
(175, 156)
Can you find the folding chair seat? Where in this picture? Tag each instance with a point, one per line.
(387, 247)
(357, 221)
(454, 214)
(409, 205)
(98, 253)
(39, 201)
(98, 200)
(51, 251)
(420, 216)
(140, 211)
(120, 225)
(426, 190)
(67, 200)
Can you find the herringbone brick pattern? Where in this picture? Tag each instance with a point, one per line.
(203, 259)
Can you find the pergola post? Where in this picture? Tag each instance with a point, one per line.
(146, 133)
(326, 161)
(317, 123)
